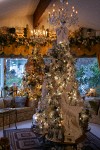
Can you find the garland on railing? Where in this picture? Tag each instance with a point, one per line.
(78, 39)
(75, 38)
(9, 39)
(11, 44)
(85, 45)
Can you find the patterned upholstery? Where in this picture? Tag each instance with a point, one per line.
(9, 102)
(23, 113)
(20, 101)
(1, 103)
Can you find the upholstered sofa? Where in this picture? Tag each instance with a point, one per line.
(25, 109)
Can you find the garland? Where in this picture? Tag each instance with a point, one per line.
(81, 45)
(10, 43)
(77, 38)
(9, 39)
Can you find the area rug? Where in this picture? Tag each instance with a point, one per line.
(23, 139)
(26, 139)
(92, 142)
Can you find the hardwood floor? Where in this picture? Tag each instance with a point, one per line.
(95, 128)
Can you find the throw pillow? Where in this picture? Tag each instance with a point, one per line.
(20, 101)
(9, 102)
(1, 103)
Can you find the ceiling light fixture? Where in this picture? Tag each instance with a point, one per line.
(63, 15)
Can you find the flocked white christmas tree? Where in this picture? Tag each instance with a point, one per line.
(59, 112)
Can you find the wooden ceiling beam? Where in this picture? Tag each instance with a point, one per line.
(43, 4)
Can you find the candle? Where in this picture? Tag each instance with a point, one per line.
(66, 3)
(59, 12)
(32, 32)
(49, 14)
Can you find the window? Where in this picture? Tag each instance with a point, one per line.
(88, 74)
(1, 75)
(11, 71)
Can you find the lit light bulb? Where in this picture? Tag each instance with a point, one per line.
(56, 78)
(53, 5)
(35, 117)
(31, 32)
(73, 10)
(66, 3)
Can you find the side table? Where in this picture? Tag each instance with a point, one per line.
(8, 112)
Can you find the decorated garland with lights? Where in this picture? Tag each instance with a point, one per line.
(10, 40)
(77, 38)
(11, 44)
(9, 37)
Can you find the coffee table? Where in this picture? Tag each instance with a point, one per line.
(8, 112)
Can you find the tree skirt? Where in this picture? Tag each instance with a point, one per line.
(26, 139)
